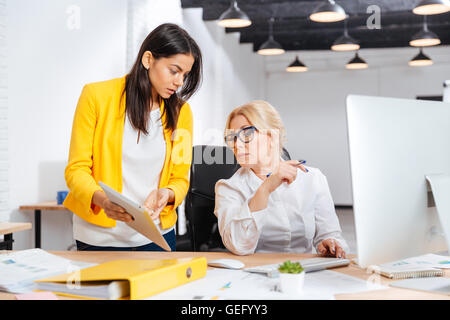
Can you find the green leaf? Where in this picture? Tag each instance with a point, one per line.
(290, 267)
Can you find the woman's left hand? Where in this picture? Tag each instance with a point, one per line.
(331, 247)
(157, 200)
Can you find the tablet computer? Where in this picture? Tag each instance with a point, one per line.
(142, 222)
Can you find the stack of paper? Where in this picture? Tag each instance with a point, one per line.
(130, 279)
(19, 269)
(111, 290)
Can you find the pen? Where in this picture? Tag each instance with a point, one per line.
(299, 162)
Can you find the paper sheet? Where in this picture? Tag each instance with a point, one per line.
(420, 262)
(223, 284)
(435, 285)
(440, 186)
(19, 269)
(37, 296)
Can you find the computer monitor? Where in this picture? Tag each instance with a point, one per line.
(394, 144)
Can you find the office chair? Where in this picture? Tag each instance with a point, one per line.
(209, 164)
(183, 241)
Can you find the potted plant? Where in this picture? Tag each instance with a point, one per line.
(292, 277)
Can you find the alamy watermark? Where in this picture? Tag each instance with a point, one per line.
(374, 20)
(73, 21)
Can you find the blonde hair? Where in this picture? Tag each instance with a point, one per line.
(263, 116)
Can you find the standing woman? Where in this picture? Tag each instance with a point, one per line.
(135, 135)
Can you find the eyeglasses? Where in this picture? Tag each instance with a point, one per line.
(245, 135)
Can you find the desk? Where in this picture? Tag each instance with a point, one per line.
(253, 260)
(8, 228)
(51, 206)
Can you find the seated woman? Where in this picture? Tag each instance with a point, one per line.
(271, 205)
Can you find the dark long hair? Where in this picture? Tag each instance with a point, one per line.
(166, 40)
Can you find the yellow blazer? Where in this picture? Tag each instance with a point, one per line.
(96, 152)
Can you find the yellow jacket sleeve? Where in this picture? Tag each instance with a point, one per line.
(181, 159)
(78, 172)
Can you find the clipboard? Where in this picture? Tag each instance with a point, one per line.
(142, 222)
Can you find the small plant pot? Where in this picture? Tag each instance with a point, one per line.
(292, 283)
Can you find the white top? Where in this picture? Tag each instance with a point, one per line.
(141, 169)
(297, 216)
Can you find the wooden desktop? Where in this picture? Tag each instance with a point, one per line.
(255, 260)
(38, 208)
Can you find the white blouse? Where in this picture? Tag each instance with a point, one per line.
(142, 164)
(297, 216)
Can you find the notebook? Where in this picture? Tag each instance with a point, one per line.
(407, 272)
(428, 265)
(126, 279)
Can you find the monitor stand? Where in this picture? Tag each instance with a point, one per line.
(440, 188)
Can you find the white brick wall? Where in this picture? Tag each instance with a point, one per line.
(4, 187)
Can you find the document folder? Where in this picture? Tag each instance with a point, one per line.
(144, 277)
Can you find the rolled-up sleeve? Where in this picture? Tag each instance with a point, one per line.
(239, 228)
(327, 222)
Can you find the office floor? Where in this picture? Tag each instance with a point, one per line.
(347, 222)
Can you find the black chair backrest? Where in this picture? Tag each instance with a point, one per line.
(209, 165)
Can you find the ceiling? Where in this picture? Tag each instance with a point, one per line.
(295, 31)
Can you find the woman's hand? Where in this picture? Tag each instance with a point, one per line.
(331, 247)
(157, 200)
(112, 210)
(116, 212)
(287, 172)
